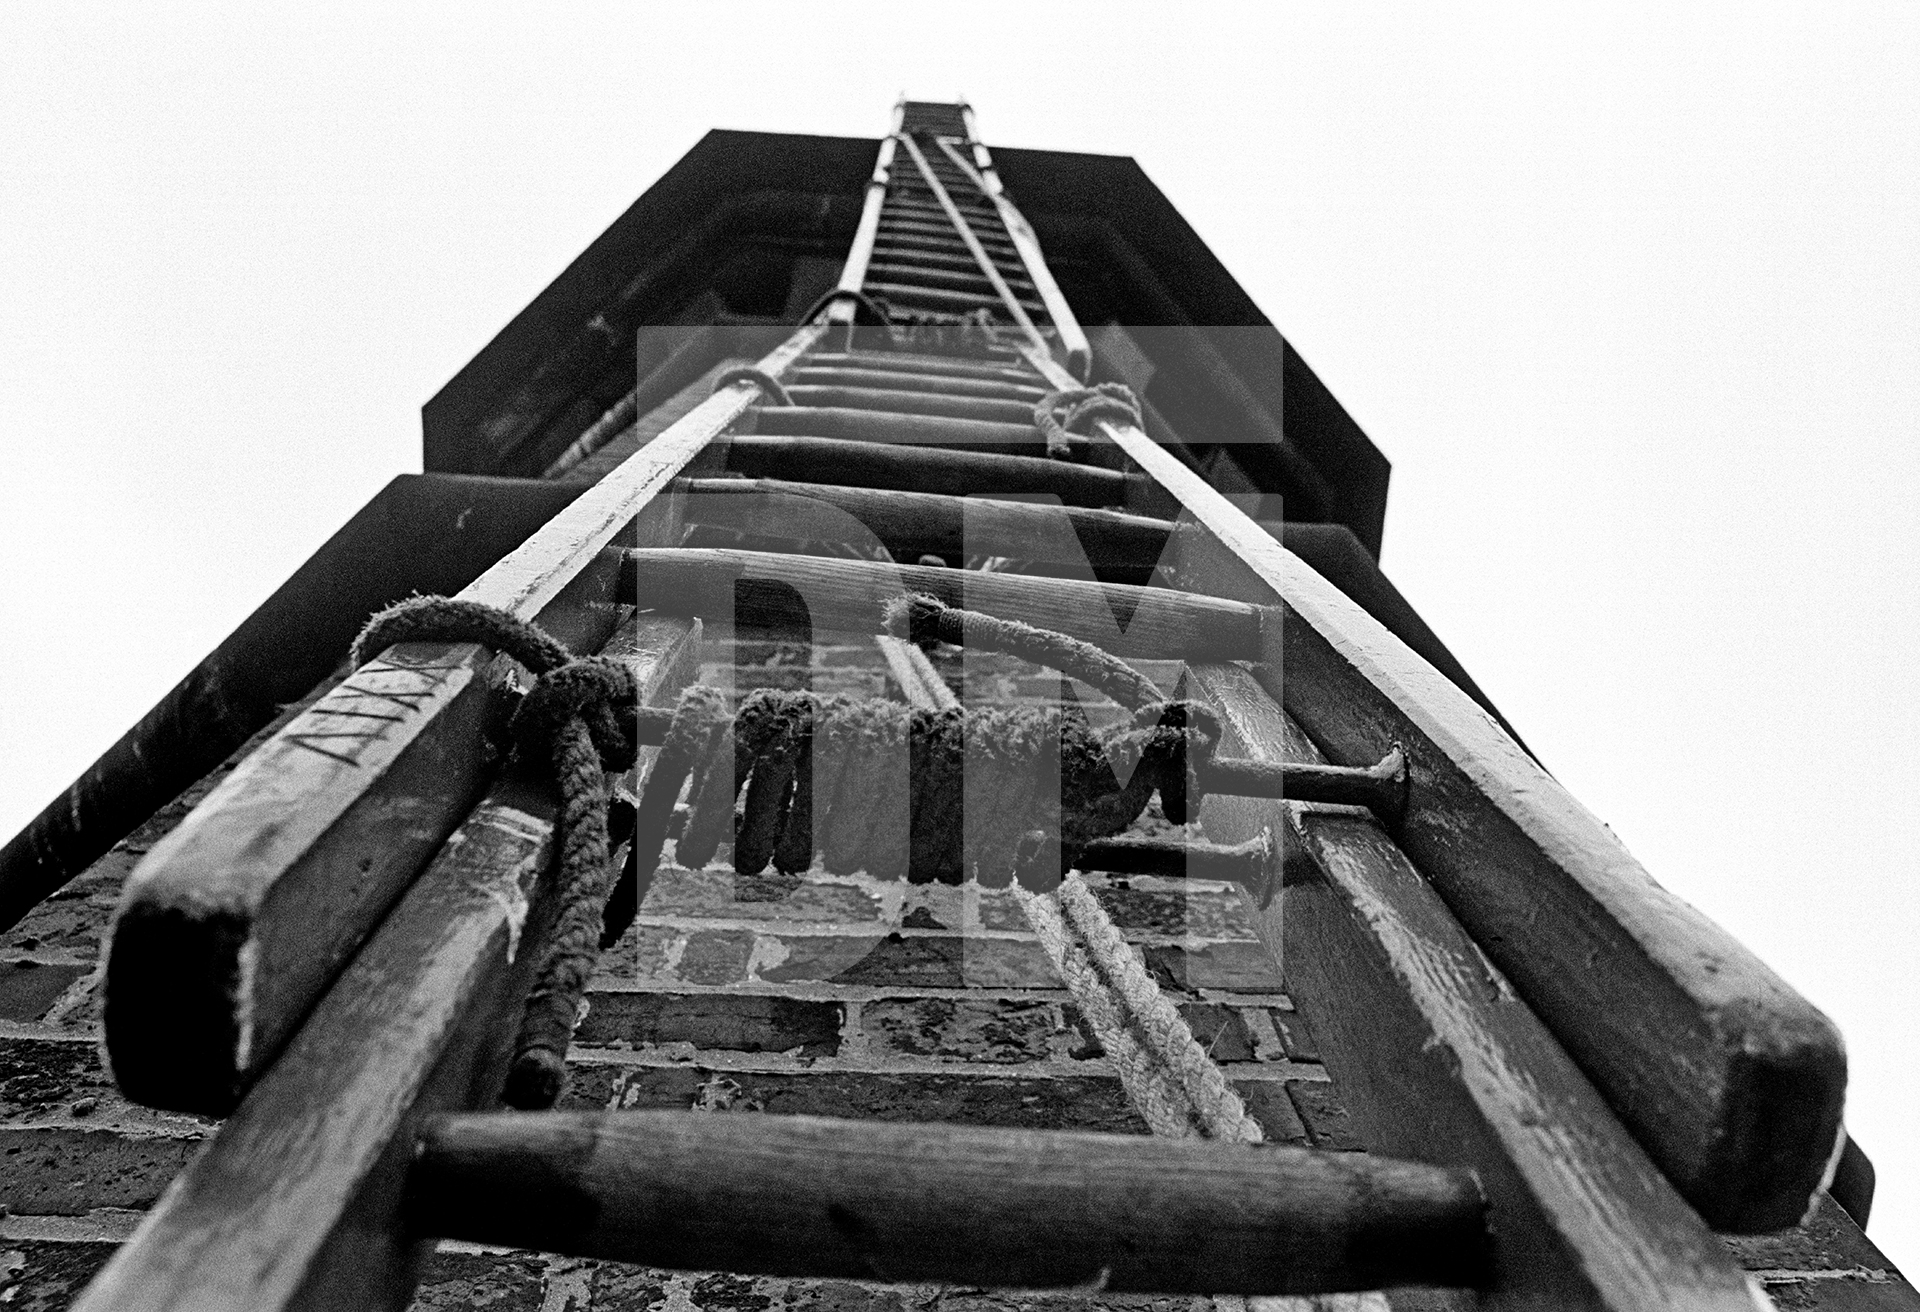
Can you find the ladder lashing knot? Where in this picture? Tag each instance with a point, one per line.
(1069, 412)
(580, 718)
(760, 378)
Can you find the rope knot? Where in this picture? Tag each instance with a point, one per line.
(598, 692)
(1071, 411)
(919, 617)
(579, 720)
(1168, 736)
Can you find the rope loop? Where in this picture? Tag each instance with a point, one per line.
(577, 719)
(1070, 411)
(877, 311)
(760, 378)
(450, 619)
(592, 689)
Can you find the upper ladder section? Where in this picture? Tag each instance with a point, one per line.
(940, 242)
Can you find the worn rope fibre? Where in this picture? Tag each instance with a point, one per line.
(807, 766)
(1070, 411)
(576, 716)
(845, 803)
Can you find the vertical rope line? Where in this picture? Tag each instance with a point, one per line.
(1217, 1106)
(1150, 1086)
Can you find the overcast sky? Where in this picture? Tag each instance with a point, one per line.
(1629, 296)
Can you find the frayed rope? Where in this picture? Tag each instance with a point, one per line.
(581, 716)
(1060, 415)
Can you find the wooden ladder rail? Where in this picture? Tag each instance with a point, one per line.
(1211, 536)
(1733, 1081)
(1073, 338)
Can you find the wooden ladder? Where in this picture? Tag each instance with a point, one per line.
(1566, 1074)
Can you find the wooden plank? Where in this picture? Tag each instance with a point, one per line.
(912, 524)
(1441, 1062)
(232, 926)
(1159, 623)
(925, 469)
(297, 1201)
(1732, 1081)
(808, 1196)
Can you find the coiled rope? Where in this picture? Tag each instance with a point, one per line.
(821, 778)
(1070, 411)
(878, 786)
(576, 716)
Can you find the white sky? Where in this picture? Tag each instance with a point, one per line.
(1630, 297)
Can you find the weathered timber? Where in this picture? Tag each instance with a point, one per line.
(420, 533)
(1732, 1081)
(1382, 787)
(1252, 864)
(863, 1200)
(1443, 1063)
(297, 1201)
(901, 402)
(270, 884)
(873, 372)
(912, 524)
(1155, 623)
(854, 271)
(876, 425)
(925, 469)
(940, 367)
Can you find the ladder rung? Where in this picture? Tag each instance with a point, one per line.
(970, 279)
(901, 380)
(848, 594)
(806, 1196)
(933, 366)
(859, 425)
(926, 469)
(913, 524)
(904, 251)
(916, 403)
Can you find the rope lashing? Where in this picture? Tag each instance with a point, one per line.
(874, 786)
(1177, 1088)
(1069, 412)
(881, 787)
(760, 378)
(579, 716)
(1169, 1078)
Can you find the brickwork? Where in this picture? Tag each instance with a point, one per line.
(821, 994)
